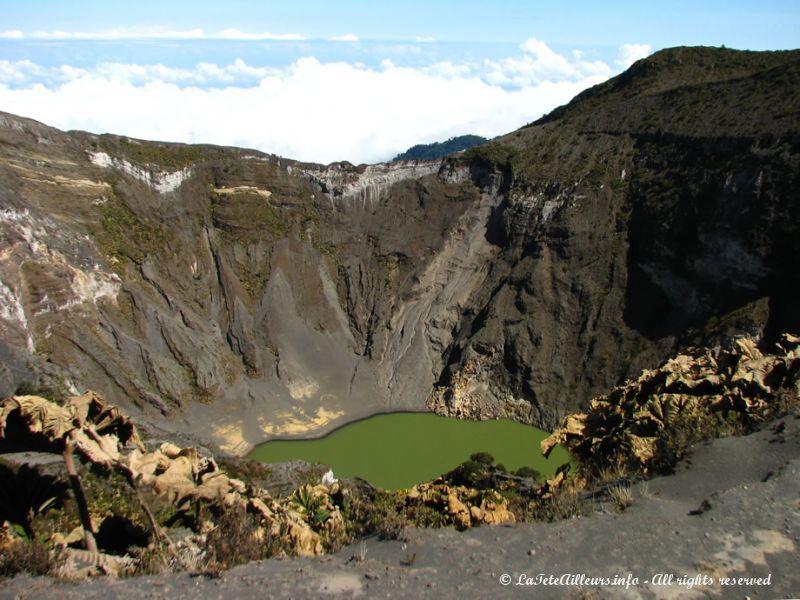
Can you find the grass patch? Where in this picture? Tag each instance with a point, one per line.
(26, 556)
(122, 235)
(169, 157)
(237, 539)
(622, 495)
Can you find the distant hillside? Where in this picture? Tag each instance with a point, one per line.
(440, 149)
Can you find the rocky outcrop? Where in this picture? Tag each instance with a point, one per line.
(238, 296)
(629, 226)
(367, 184)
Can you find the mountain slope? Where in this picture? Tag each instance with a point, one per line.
(655, 209)
(238, 295)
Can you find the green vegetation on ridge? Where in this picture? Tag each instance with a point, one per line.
(441, 149)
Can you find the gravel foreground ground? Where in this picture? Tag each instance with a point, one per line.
(745, 492)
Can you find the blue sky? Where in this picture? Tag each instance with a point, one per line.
(736, 23)
(350, 80)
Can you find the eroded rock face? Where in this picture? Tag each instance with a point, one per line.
(638, 218)
(237, 296)
(241, 296)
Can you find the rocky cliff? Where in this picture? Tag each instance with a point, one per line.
(240, 296)
(656, 209)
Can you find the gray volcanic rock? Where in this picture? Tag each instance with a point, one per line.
(238, 296)
(656, 209)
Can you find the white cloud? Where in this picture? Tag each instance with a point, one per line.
(147, 33)
(348, 37)
(238, 73)
(542, 60)
(448, 69)
(540, 63)
(425, 38)
(630, 53)
(309, 110)
(235, 34)
(19, 71)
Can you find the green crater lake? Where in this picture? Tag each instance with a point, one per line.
(399, 450)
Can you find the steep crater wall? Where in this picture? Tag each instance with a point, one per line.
(237, 296)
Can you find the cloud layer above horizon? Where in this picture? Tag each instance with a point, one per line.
(148, 33)
(311, 109)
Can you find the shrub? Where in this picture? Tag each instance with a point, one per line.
(26, 556)
(422, 515)
(565, 503)
(375, 513)
(528, 472)
(483, 458)
(236, 539)
(468, 473)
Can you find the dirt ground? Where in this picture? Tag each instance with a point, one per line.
(748, 527)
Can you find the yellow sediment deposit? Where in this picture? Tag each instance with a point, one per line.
(59, 180)
(298, 421)
(242, 189)
(230, 437)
